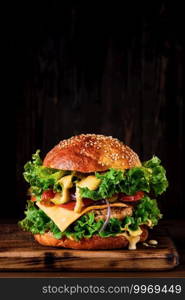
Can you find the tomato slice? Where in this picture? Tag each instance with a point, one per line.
(138, 195)
(71, 204)
(47, 195)
(33, 199)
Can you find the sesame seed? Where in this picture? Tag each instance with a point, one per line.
(107, 146)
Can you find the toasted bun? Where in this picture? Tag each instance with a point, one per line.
(94, 243)
(89, 153)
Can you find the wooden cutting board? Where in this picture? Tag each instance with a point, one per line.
(20, 252)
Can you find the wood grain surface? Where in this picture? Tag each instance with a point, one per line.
(19, 251)
(116, 71)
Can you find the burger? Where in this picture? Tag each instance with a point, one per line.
(92, 192)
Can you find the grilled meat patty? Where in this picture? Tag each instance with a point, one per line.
(116, 212)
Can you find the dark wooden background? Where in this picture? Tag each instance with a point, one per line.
(114, 69)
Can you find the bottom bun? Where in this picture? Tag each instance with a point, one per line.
(96, 242)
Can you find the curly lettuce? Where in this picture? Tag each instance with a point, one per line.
(39, 177)
(147, 212)
(159, 182)
(150, 177)
(36, 221)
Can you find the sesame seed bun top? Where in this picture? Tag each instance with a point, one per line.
(90, 153)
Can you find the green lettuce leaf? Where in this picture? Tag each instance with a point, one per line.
(39, 177)
(146, 211)
(36, 221)
(150, 177)
(159, 182)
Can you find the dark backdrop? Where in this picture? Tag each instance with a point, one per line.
(115, 70)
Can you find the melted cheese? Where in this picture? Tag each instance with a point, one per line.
(133, 238)
(66, 183)
(135, 232)
(79, 202)
(92, 183)
(149, 223)
(63, 217)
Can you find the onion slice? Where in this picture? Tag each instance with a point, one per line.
(107, 216)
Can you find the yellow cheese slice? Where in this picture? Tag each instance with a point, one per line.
(63, 217)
